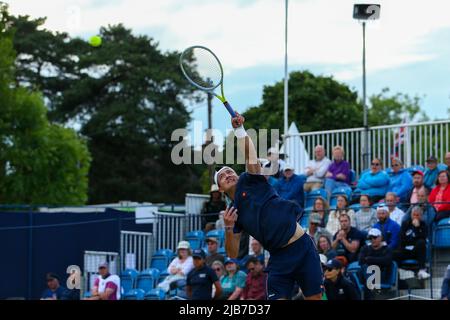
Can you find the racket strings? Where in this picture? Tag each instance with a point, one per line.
(205, 70)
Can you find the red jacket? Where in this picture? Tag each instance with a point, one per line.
(446, 198)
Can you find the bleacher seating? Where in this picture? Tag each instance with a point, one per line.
(441, 234)
(219, 234)
(155, 294)
(128, 279)
(147, 279)
(134, 294)
(313, 195)
(161, 259)
(195, 239)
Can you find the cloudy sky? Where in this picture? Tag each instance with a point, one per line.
(408, 49)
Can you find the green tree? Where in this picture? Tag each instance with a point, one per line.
(40, 163)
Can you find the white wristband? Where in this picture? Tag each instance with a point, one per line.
(240, 132)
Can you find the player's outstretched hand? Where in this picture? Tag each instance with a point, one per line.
(230, 216)
(237, 121)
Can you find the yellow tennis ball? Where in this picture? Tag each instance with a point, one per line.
(95, 41)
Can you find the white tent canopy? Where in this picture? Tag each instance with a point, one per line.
(294, 149)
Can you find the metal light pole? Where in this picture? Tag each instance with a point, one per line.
(286, 76)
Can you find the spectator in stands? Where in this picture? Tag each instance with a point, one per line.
(220, 224)
(211, 208)
(440, 196)
(400, 180)
(316, 170)
(321, 207)
(341, 208)
(55, 291)
(375, 182)
(395, 213)
(413, 241)
(445, 289)
(324, 247)
(257, 252)
(219, 268)
(337, 286)
(255, 283)
(213, 246)
(276, 164)
(347, 240)
(201, 279)
(106, 286)
(376, 254)
(447, 161)
(179, 267)
(314, 230)
(388, 227)
(366, 217)
(233, 283)
(338, 174)
(418, 185)
(428, 210)
(290, 186)
(431, 173)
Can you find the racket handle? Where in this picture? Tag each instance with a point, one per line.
(230, 109)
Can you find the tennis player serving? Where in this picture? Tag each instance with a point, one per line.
(258, 210)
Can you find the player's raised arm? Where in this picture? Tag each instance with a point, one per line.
(245, 145)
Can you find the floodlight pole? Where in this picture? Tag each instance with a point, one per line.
(286, 75)
(366, 153)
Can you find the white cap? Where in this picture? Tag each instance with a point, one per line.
(183, 245)
(216, 175)
(323, 258)
(214, 188)
(374, 232)
(383, 208)
(288, 167)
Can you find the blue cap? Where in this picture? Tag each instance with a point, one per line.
(334, 264)
(229, 260)
(198, 253)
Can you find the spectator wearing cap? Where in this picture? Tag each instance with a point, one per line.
(255, 283)
(256, 252)
(55, 291)
(213, 244)
(338, 174)
(377, 254)
(314, 230)
(440, 196)
(106, 286)
(400, 180)
(375, 182)
(431, 172)
(233, 283)
(337, 286)
(324, 248)
(290, 186)
(395, 213)
(347, 240)
(418, 185)
(201, 280)
(445, 289)
(413, 237)
(276, 165)
(366, 217)
(179, 267)
(316, 170)
(342, 207)
(322, 208)
(211, 208)
(388, 227)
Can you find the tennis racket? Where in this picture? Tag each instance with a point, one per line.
(202, 69)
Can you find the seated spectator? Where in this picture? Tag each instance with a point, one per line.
(428, 210)
(413, 241)
(55, 291)
(375, 182)
(395, 213)
(106, 286)
(338, 174)
(445, 289)
(347, 240)
(316, 170)
(341, 208)
(418, 185)
(233, 283)
(431, 173)
(290, 186)
(276, 164)
(257, 252)
(389, 228)
(211, 208)
(447, 161)
(337, 286)
(400, 180)
(321, 207)
(179, 267)
(220, 224)
(201, 279)
(213, 246)
(377, 254)
(440, 196)
(366, 217)
(219, 269)
(255, 283)
(314, 230)
(324, 247)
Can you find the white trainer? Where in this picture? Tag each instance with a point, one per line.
(423, 274)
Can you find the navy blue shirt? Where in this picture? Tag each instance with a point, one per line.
(262, 213)
(60, 294)
(353, 234)
(201, 281)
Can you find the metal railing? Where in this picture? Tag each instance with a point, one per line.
(91, 261)
(136, 249)
(419, 141)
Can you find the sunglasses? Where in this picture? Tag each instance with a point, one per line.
(328, 269)
(396, 165)
(376, 164)
(251, 269)
(372, 237)
(217, 269)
